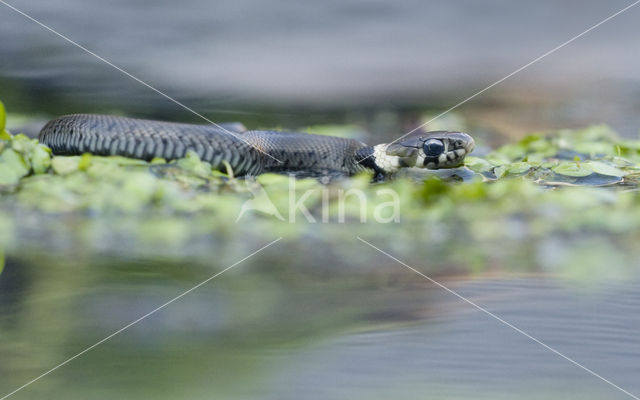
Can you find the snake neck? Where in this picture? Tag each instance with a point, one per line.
(376, 158)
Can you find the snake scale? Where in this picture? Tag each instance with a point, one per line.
(251, 152)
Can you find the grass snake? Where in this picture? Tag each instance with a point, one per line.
(251, 152)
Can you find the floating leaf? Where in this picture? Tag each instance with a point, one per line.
(12, 160)
(500, 171)
(535, 159)
(573, 169)
(477, 164)
(605, 169)
(40, 159)
(518, 168)
(64, 165)
(23, 143)
(191, 162)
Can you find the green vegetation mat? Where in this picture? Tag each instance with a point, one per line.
(565, 182)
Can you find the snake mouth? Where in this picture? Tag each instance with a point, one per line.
(449, 159)
(444, 150)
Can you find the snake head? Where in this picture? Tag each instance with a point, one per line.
(432, 150)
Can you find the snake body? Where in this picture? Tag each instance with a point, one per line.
(246, 153)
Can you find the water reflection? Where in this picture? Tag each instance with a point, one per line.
(322, 326)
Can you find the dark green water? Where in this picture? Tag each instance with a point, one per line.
(314, 318)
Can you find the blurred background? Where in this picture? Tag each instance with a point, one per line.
(289, 64)
(342, 322)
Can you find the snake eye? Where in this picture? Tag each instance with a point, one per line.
(433, 147)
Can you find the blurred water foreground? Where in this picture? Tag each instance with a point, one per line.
(541, 232)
